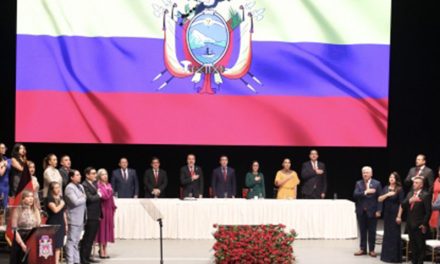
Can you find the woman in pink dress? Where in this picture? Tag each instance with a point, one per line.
(106, 227)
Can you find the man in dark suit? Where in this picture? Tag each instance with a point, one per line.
(422, 171)
(223, 180)
(417, 206)
(65, 168)
(125, 182)
(155, 180)
(191, 178)
(366, 193)
(93, 204)
(314, 177)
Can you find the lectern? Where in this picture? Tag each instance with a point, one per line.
(40, 244)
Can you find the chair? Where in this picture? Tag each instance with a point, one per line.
(433, 244)
(379, 237)
(275, 192)
(244, 192)
(405, 238)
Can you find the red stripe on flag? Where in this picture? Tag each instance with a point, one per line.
(130, 118)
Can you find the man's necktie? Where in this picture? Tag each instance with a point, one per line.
(156, 176)
(412, 204)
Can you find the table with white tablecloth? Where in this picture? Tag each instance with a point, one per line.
(194, 219)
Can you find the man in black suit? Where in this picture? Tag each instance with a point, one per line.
(155, 180)
(368, 208)
(314, 177)
(93, 204)
(223, 180)
(65, 168)
(418, 209)
(125, 181)
(422, 171)
(191, 178)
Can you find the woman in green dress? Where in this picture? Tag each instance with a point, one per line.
(255, 182)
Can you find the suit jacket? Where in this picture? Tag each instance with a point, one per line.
(421, 211)
(125, 188)
(190, 186)
(65, 174)
(428, 177)
(369, 202)
(93, 201)
(75, 198)
(311, 181)
(150, 182)
(220, 185)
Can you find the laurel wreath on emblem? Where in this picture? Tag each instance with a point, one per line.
(208, 28)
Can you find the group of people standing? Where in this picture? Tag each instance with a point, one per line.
(87, 206)
(223, 180)
(420, 207)
(78, 207)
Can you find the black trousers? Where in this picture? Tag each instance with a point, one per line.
(367, 227)
(417, 244)
(90, 231)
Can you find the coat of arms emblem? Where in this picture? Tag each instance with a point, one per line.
(208, 42)
(45, 247)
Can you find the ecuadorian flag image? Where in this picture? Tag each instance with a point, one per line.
(207, 72)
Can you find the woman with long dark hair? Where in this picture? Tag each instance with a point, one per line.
(392, 197)
(35, 184)
(18, 162)
(51, 173)
(56, 216)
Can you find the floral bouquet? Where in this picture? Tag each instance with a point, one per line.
(253, 244)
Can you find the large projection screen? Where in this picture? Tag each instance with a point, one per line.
(211, 72)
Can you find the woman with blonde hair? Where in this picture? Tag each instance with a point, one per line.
(106, 226)
(24, 218)
(287, 181)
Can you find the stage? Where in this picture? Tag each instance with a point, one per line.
(312, 219)
(199, 252)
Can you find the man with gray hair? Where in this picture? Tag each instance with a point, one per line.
(368, 208)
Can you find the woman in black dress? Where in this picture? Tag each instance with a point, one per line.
(56, 216)
(18, 162)
(392, 197)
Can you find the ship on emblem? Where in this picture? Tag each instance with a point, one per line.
(212, 35)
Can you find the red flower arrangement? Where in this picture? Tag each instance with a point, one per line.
(253, 244)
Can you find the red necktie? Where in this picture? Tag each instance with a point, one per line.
(191, 171)
(225, 174)
(412, 205)
(156, 176)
